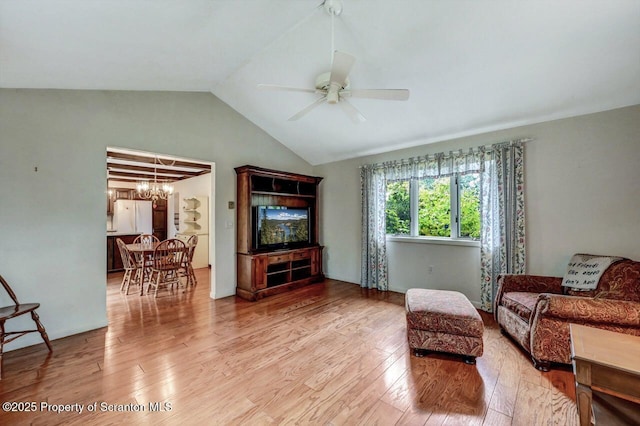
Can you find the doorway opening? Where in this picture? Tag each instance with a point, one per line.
(184, 207)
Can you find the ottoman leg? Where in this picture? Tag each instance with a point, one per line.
(420, 352)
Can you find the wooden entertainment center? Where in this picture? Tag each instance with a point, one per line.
(263, 271)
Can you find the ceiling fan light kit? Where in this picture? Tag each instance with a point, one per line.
(334, 86)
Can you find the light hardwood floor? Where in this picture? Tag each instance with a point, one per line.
(329, 353)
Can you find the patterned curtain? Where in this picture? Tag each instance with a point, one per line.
(502, 235)
(374, 248)
(374, 178)
(501, 169)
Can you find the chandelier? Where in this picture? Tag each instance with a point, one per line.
(154, 190)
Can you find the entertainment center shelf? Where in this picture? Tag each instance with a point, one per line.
(281, 194)
(277, 232)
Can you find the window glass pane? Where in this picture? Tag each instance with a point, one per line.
(434, 206)
(469, 187)
(398, 208)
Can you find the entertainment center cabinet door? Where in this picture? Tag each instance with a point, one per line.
(316, 261)
(252, 272)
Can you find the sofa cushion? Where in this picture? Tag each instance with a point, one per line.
(621, 281)
(521, 303)
(584, 271)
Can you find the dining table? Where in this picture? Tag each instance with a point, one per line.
(143, 252)
(144, 248)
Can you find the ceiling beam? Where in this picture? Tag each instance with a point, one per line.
(152, 160)
(128, 167)
(158, 170)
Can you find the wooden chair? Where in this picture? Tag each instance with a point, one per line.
(146, 239)
(141, 259)
(187, 262)
(133, 269)
(167, 261)
(16, 310)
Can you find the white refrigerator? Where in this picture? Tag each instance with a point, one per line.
(132, 216)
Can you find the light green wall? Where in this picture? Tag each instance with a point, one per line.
(52, 248)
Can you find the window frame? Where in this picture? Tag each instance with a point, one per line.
(454, 216)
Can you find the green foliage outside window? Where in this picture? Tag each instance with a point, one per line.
(398, 208)
(469, 206)
(434, 204)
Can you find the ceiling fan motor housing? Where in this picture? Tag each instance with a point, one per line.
(324, 83)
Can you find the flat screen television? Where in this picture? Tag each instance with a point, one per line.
(281, 227)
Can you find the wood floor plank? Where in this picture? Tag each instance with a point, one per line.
(328, 353)
(532, 405)
(495, 418)
(380, 414)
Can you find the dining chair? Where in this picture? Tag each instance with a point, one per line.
(186, 269)
(15, 310)
(167, 261)
(140, 258)
(146, 239)
(133, 268)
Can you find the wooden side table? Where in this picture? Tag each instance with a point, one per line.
(606, 362)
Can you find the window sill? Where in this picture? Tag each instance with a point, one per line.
(433, 240)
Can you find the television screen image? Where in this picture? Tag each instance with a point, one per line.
(280, 226)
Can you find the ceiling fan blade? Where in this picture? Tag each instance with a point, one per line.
(353, 113)
(308, 108)
(341, 67)
(285, 88)
(386, 94)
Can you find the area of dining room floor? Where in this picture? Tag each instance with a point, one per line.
(146, 306)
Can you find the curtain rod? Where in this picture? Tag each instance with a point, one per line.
(519, 140)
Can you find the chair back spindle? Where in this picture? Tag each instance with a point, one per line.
(146, 239)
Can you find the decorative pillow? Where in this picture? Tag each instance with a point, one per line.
(584, 271)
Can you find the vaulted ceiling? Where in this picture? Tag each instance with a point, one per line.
(471, 65)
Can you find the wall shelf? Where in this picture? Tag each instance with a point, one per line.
(194, 215)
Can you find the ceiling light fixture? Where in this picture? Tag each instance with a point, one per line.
(154, 190)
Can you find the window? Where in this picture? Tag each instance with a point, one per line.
(437, 207)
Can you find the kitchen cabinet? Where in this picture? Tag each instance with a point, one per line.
(114, 261)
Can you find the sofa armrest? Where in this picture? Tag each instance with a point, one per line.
(589, 310)
(529, 283)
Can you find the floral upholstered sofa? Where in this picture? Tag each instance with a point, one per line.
(537, 310)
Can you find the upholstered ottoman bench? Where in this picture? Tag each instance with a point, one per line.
(443, 321)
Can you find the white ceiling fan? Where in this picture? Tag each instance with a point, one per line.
(334, 85)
